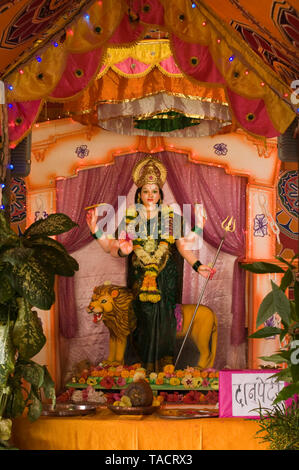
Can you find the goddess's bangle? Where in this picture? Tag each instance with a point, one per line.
(97, 234)
(196, 265)
(120, 254)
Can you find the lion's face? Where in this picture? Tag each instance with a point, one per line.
(112, 305)
(101, 304)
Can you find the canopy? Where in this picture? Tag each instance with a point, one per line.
(240, 54)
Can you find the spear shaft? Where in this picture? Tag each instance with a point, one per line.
(199, 300)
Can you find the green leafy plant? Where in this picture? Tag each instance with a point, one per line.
(28, 265)
(280, 424)
(276, 301)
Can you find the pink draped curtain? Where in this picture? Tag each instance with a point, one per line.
(222, 195)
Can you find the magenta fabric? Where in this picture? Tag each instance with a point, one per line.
(79, 70)
(252, 114)
(127, 31)
(170, 66)
(203, 69)
(151, 12)
(132, 66)
(222, 195)
(21, 117)
(102, 184)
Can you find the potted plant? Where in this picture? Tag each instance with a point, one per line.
(28, 265)
(280, 425)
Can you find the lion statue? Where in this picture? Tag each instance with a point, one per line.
(113, 305)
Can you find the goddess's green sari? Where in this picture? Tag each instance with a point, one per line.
(152, 342)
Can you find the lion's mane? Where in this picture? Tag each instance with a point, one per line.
(121, 320)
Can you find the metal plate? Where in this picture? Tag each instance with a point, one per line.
(133, 410)
(176, 413)
(68, 409)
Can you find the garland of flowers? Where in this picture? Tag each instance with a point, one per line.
(152, 260)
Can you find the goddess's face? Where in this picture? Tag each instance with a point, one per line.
(150, 195)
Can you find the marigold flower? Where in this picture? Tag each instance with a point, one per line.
(204, 374)
(125, 374)
(159, 381)
(180, 373)
(81, 380)
(161, 375)
(102, 373)
(197, 373)
(168, 369)
(174, 381)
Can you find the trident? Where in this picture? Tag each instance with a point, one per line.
(228, 226)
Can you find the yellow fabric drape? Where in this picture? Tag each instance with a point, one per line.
(106, 431)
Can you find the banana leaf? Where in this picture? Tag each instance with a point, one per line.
(54, 224)
(28, 336)
(36, 284)
(56, 261)
(7, 353)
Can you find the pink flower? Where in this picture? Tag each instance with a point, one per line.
(121, 381)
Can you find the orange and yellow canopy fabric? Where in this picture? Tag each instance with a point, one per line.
(204, 49)
(269, 27)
